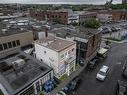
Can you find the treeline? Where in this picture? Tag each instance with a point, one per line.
(119, 6)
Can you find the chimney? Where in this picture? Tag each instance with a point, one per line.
(46, 32)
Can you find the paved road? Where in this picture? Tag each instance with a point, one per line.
(90, 86)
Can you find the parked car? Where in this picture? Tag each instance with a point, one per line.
(75, 82)
(106, 30)
(114, 29)
(66, 89)
(61, 93)
(92, 63)
(102, 74)
(102, 52)
(82, 62)
(72, 85)
(124, 69)
(121, 88)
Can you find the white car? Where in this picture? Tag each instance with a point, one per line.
(60, 93)
(101, 75)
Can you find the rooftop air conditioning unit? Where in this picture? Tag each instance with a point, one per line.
(4, 31)
(19, 62)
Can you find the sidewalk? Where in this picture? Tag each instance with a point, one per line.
(64, 83)
(123, 41)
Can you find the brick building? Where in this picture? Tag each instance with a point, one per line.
(87, 41)
(119, 15)
(86, 16)
(124, 1)
(50, 15)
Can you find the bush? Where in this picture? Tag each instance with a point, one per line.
(92, 23)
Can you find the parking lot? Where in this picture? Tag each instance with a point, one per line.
(113, 27)
(91, 86)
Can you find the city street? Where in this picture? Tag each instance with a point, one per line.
(91, 86)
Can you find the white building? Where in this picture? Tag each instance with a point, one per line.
(58, 53)
(104, 17)
(73, 18)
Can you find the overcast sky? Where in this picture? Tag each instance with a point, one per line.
(59, 1)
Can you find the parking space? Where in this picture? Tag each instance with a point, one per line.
(114, 30)
(91, 86)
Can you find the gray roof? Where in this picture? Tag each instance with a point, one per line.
(15, 76)
(80, 32)
(56, 44)
(4, 31)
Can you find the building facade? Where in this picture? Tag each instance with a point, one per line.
(57, 53)
(86, 16)
(124, 1)
(12, 42)
(50, 16)
(104, 17)
(73, 18)
(87, 41)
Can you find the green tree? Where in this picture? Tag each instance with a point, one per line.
(57, 20)
(74, 23)
(92, 23)
(1, 93)
(118, 6)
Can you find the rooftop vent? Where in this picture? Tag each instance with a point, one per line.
(42, 68)
(19, 62)
(4, 31)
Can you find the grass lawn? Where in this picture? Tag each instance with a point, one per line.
(77, 67)
(65, 76)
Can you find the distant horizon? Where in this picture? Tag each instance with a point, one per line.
(93, 2)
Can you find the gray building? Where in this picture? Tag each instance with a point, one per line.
(20, 74)
(12, 38)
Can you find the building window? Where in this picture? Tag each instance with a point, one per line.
(73, 49)
(44, 52)
(62, 56)
(65, 53)
(69, 51)
(18, 42)
(9, 45)
(52, 16)
(5, 46)
(14, 44)
(1, 47)
(93, 44)
(47, 15)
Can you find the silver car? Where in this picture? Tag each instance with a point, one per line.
(101, 75)
(60, 93)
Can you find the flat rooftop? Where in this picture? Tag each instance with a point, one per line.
(55, 43)
(4, 31)
(20, 70)
(80, 32)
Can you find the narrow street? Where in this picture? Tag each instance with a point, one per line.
(91, 86)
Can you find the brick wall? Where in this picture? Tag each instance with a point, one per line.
(93, 44)
(50, 15)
